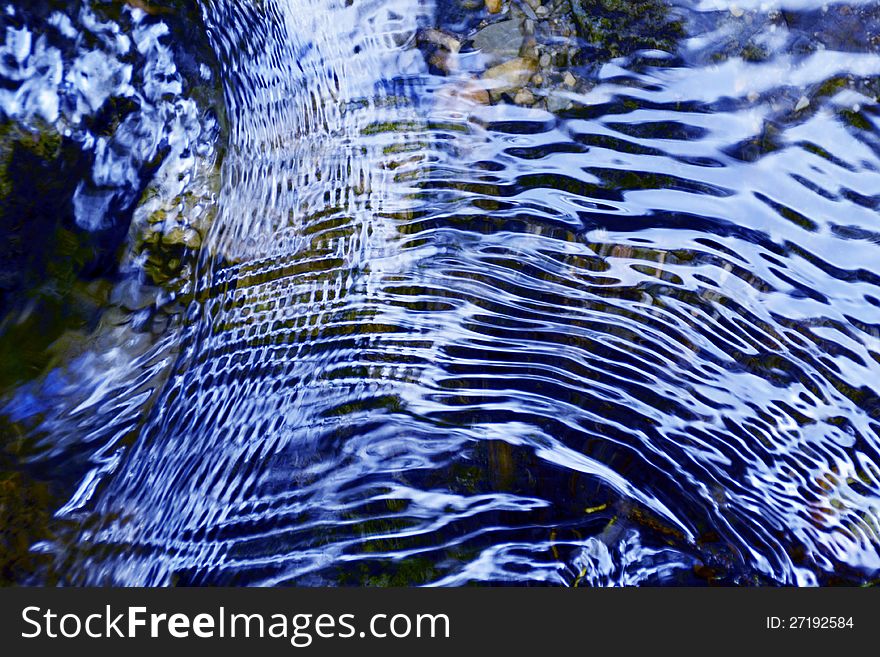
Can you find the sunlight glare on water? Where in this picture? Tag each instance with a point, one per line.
(432, 341)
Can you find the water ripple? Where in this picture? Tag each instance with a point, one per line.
(435, 342)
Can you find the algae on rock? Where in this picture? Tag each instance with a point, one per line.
(615, 28)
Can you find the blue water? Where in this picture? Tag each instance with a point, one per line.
(430, 341)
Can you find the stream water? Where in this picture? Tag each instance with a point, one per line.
(432, 341)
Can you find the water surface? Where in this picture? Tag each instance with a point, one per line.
(426, 340)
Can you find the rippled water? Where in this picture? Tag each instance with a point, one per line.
(429, 341)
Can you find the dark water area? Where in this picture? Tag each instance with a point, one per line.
(404, 292)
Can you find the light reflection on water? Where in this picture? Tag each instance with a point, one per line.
(435, 342)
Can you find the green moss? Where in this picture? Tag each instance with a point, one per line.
(43, 298)
(620, 27)
(856, 120)
(752, 52)
(24, 520)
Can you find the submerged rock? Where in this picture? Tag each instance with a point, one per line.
(101, 101)
(110, 116)
(512, 74)
(613, 28)
(524, 97)
(25, 519)
(46, 262)
(557, 102)
(524, 57)
(501, 41)
(758, 34)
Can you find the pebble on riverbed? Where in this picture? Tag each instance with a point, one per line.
(512, 75)
(524, 97)
(500, 41)
(526, 54)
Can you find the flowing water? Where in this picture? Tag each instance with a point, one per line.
(431, 341)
